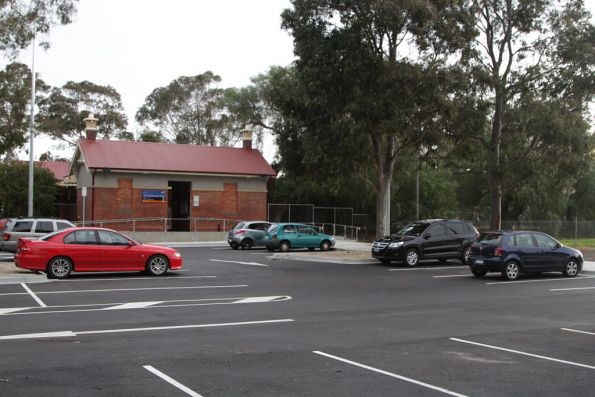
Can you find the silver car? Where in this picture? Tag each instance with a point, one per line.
(247, 234)
(29, 227)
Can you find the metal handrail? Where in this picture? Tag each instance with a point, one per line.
(224, 221)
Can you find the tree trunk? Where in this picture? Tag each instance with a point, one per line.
(495, 204)
(383, 203)
(494, 172)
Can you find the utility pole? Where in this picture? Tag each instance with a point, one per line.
(31, 132)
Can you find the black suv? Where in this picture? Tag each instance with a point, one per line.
(427, 239)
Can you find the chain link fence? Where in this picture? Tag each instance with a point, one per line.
(561, 229)
(302, 213)
(336, 221)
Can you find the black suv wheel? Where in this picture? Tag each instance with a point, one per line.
(412, 257)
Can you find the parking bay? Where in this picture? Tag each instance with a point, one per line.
(332, 329)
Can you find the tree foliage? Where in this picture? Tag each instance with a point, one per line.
(150, 136)
(21, 20)
(372, 83)
(533, 64)
(15, 99)
(191, 109)
(14, 177)
(61, 113)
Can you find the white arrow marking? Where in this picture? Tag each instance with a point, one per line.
(13, 309)
(133, 305)
(59, 334)
(261, 299)
(63, 334)
(241, 263)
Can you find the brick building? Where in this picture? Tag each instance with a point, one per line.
(186, 184)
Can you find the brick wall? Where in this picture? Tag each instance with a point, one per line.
(126, 202)
(252, 205)
(230, 200)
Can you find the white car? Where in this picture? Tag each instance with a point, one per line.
(29, 227)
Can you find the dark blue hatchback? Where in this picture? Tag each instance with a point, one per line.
(516, 252)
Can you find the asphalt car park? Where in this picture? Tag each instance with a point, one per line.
(240, 323)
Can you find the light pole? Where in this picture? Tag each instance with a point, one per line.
(417, 187)
(422, 152)
(31, 132)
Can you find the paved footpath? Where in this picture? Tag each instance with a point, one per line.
(346, 252)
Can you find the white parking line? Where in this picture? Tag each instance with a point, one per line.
(523, 353)
(142, 289)
(440, 389)
(166, 278)
(241, 263)
(539, 280)
(39, 301)
(409, 269)
(454, 275)
(578, 331)
(571, 289)
(171, 381)
(63, 334)
(124, 289)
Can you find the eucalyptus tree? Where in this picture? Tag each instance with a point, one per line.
(533, 62)
(191, 109)
(15, 97)
(22, 20)
(150, 136)
(373, 82)
(62, 111)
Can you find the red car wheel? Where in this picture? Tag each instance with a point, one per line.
(157, 265)
(59, 267)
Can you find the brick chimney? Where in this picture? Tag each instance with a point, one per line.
(247, 137)
(91, 127)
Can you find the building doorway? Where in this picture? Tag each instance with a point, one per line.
(179, 206)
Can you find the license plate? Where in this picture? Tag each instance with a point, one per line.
(376, 249)
(479, 261)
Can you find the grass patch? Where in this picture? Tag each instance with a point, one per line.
(581, 243)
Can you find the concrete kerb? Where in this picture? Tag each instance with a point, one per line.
(10, 274)
(318, 257)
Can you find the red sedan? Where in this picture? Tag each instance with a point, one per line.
(91, 249)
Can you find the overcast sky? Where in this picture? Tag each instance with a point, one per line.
(138, 45)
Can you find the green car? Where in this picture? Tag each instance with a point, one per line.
(285, 236)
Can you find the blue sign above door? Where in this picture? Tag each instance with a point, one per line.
(154, 196)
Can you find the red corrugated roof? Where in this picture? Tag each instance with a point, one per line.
(60, 169)
(147, 156)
